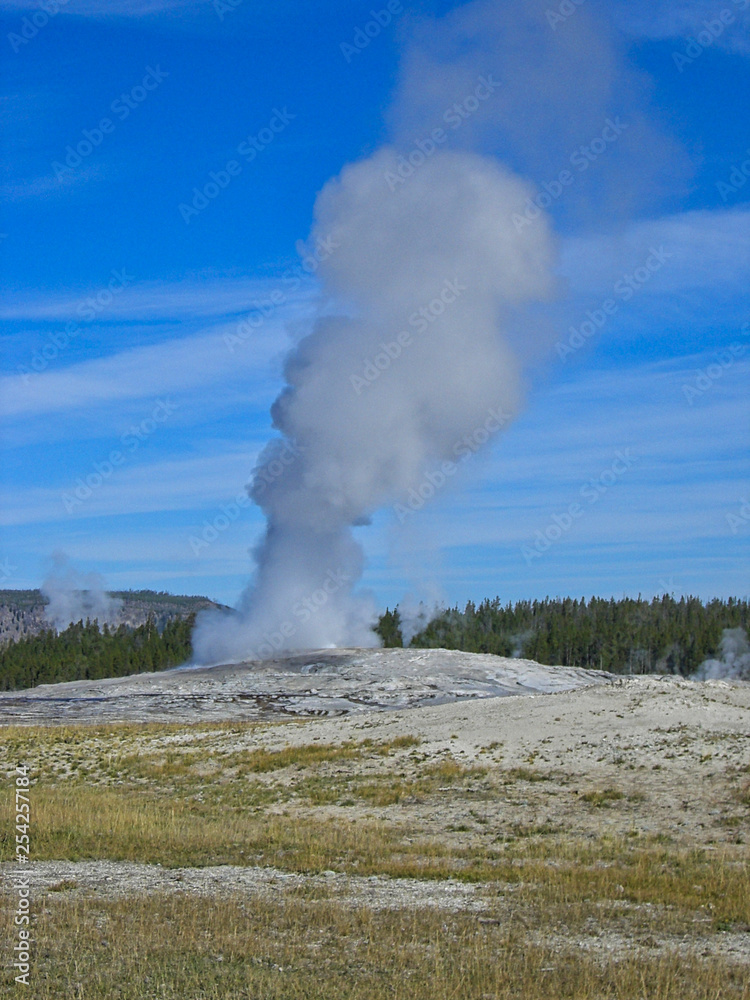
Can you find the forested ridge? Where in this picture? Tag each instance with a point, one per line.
(83, 651)
(622, 636)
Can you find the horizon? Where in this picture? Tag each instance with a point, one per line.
(586, 598)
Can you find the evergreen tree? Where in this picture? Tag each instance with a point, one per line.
(626, 636)
(389, 628)
(83, 651)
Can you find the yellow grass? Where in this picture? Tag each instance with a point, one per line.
(232, 794)
(185, 948)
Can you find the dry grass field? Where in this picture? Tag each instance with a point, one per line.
(587, 844)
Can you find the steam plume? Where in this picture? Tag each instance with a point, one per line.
(734, 661)
(416, 615)
(362, 435)
(73, 596)
(437, 295)
(554, 87)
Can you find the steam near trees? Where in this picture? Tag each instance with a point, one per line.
(623, 636)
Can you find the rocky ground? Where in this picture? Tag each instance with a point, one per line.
(325, 682)
(452, 759)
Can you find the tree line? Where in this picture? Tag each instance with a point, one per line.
(84, 651)
(663, 635)
(622, 636)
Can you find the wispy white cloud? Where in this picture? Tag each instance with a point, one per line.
(689, 463)
(176, 484)
(706, 248)
(47, 186)
(141, 301)
(660, 19)
(169, 545)
(175, 366)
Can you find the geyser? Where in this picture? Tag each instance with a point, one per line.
(428, 274)
(431, 294)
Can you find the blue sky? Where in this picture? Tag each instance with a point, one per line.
(143, 340)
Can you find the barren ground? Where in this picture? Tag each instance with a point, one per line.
(606, 824)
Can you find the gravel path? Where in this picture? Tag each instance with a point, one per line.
(118, 879)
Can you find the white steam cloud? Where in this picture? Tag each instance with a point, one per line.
(438, 297)
(554, 88)
(734, 661)
(441, 243)
(74, 596)
(416, 615)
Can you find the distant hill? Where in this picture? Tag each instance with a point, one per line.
(22, 611)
